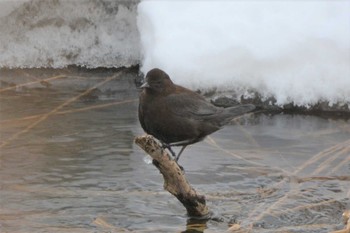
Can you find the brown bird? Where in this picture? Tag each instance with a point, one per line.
(177, 116)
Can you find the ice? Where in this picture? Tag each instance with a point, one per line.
(59, 33)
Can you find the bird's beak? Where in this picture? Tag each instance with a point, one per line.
(145, 85)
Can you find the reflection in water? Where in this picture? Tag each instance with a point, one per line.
(196, 226)
(77, 169)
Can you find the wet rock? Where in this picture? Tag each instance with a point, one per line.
(224, 101)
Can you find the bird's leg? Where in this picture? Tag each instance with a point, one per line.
(178, 156)
(167, 146)
(172, 152)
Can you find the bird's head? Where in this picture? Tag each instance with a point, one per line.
(157, 81)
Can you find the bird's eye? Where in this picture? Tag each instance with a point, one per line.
(157, 84)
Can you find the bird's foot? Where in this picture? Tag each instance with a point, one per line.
(167, 146)
(174, 156)
(181, 168)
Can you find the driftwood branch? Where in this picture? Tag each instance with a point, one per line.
(174, 178)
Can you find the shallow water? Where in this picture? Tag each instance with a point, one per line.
(69, 164)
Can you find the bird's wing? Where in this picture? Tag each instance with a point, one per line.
(190, 105)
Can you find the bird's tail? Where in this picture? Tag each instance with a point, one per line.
(232, 112)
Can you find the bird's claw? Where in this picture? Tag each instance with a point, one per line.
(167, 146)
(174, 156)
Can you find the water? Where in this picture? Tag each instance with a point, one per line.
(69, 164)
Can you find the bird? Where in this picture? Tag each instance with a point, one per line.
(178, 116)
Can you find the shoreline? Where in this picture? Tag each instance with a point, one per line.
(21, 79)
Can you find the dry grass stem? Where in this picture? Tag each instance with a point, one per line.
(97, 106)
(33, 82)
(267, 209)
(55, 110)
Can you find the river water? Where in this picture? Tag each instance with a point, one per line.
(69, 163)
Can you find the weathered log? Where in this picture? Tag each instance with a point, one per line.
(174, 178)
